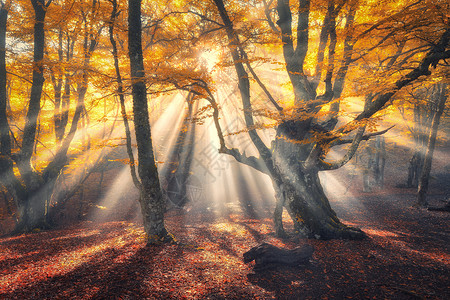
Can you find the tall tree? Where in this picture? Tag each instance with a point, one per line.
(151, 199)
(32, 188)
(304, 138)
(31, 206)
(5, 140)
(7, 177)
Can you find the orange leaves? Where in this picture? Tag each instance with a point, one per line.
(125, 161)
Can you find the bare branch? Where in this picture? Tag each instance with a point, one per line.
(252, 161)
(37, 140)
(364, 137)
(389, 18)
(402, 112)
(262, 85)
(256, 163)
(434, 55)
(203, 17)
(268, 17)
(325, 166)
(244, 86)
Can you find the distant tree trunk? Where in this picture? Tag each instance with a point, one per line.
(373, 173)
(57, 87)
(367, 171)
(151, 198)
(380, 160)
(415, 169)
(65, 101)
(422, 122)
(177, 168)
(62, 99)
(441, 94)
(187, 154)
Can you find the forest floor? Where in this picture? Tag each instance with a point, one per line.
(406, 254)
(405, 257)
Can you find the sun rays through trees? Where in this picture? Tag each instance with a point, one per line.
(276, 114)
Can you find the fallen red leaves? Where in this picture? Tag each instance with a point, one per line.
(406, 257)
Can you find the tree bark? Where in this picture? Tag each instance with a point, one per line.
(5, 139)
(151, 199)
(34, 108)
(31, 205)
(294, 57)
(303, 195)
(7, 178)
(62, 98)
(380, 160)
(120, 92)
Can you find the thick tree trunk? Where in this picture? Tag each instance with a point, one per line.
(294, 166)
(151, 199)
(310, 210)
(29, 208)
(29, 134)
(6, 163)
(301, 193)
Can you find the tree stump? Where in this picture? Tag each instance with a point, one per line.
(268, 256)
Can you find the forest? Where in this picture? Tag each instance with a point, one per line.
(224, 149)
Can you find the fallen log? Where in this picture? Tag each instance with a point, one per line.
(268, 256)
(444, 208)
